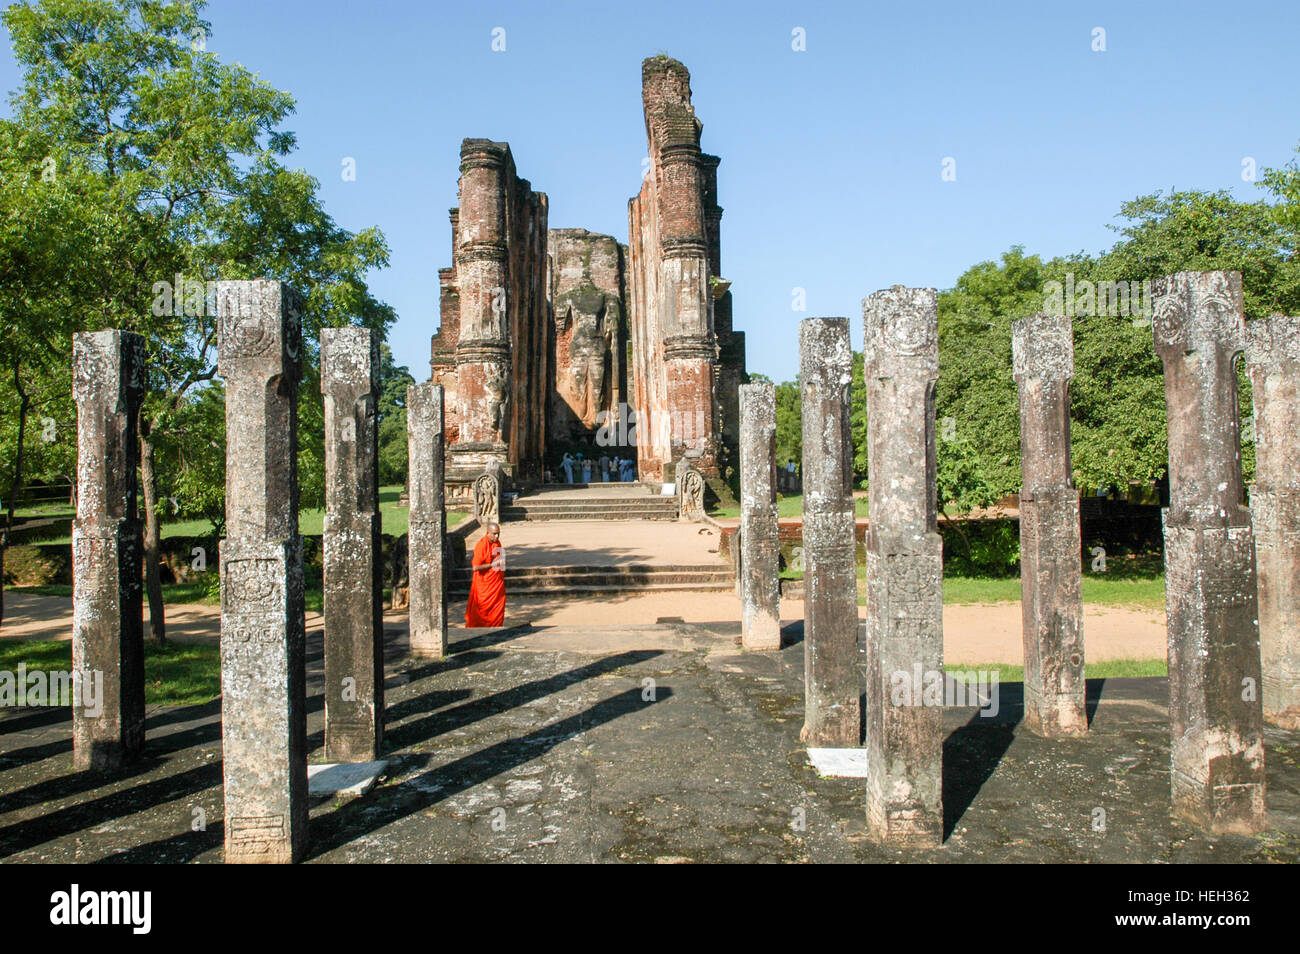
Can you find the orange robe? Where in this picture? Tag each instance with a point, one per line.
(487, 588)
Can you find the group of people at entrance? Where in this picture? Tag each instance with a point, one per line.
(603, 469)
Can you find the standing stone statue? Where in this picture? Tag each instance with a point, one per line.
(353, 571)
(760, 588)
(832, 681)
(1273, 361)
(1216, 718)
(904, 569)
(263, 660)
(109, 377)
(1042, 348)
(690, 493)
(428, 527)
(487, 495)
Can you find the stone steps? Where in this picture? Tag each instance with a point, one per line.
(632, 578)
(592, 508)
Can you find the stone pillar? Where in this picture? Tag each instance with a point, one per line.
(428, 526)
(760, 550)
(353, 572)
(483, 350)
(832, 684)
(109, 377)
(1273, 361)
(1042, 348)
(263, 662)
(1216, 717)
(904, 729)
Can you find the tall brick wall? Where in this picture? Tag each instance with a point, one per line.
(687, 363)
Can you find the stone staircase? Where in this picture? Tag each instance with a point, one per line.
(602, 502)
(713, 578)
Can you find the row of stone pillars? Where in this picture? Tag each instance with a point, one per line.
(1219, 619)
(263, 659)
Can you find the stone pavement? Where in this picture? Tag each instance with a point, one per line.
(552, 745)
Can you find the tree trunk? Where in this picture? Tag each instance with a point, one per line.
(15, 488)
(152, 538)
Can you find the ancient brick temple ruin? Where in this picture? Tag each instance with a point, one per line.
(549, 335)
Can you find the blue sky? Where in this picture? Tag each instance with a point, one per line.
(831, 157)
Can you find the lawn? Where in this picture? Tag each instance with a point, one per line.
(174, 675)
(1107, 669)
(789, 507)
(311, 523)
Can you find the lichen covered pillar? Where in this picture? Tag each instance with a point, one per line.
(1042, 349)
(108, 369)
(428, 521)
(1273, 362)
(832, 685)
(904, 730)
(353, 565)
(760, 593)
(1216, 717)
(263, 660)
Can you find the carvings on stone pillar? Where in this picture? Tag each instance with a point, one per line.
(1042, 348)
(832, 680)
(760, 548)
(428, 521)
(353, 567)
(107, 631)
(263, 661)
(904, 567)
(1273, 362)
(1216, 716)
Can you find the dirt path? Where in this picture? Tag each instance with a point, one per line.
(988, 633)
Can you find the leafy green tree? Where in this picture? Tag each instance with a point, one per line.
(190, 148)
(394, 379)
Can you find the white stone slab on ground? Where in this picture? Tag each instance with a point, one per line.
(343, 778)
(839, 763)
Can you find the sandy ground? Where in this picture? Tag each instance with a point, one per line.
(972, 634)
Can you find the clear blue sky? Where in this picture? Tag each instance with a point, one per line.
(831, 157)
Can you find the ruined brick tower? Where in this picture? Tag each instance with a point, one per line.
(545, 334)
(687, 363)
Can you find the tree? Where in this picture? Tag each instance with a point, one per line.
(394, 379)
(190, 148)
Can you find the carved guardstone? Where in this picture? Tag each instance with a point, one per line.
(1273, 362)
(263, 663)
(428, 526)
(760, 595)
(832, 682)
(690, 493)
(353, 567)
(1042, 348)
(904, 736)
(107, 628)
(1216, 717)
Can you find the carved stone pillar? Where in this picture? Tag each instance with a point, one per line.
(1216, 717)
(353, 570)
(832, 681)
(428, 521)
(1273, 361)
(760, 586)
(904, 734)
(1050, 570)
(109, 375)
(263, 661)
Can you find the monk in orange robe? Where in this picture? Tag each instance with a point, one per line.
(487, 588)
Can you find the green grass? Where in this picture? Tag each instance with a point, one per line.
(174, 675)
(1107, 669)
(311, 523)
(788, 507)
